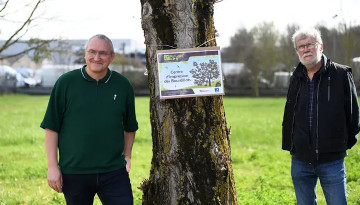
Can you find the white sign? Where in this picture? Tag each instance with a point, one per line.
(190, 72)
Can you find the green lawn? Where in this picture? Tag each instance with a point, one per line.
(261, 168)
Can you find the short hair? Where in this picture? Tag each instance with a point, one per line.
(101, 36)
(306, 33)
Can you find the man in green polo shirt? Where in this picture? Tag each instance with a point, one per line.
(90, 120)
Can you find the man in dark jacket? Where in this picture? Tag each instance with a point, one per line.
(321, 121)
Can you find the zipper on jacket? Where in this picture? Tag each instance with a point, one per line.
(317, 120)
(329, 89)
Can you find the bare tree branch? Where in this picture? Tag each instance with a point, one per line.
(12, 42)
(27, 22)
(2, 9)
(37, 46)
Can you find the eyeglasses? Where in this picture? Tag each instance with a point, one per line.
(102, 54)
(308, 45)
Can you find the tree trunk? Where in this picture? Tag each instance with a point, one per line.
(349, 45)
(256, 85)
(191, 161)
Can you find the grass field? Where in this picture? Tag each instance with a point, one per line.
(261, 168)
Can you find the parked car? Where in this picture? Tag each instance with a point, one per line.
(28, 77)
(8, 79)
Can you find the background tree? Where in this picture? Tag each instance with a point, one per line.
(39, 47)
(349, 41)
(191, 152)
(330, 38)
(287, 54)
(241, 46)
(120, 59)
(80, 53)
(264, 57)
(263, 51)
(258, 50)
(341, 45)
(62, 53)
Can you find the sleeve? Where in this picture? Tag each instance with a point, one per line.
(55, 109)
(130, 122)
(352, 111)
(287, 123)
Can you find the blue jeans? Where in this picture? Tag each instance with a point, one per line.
(112, 188)
(332, 179)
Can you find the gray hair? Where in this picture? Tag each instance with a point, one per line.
(101, 36)
(306, 33)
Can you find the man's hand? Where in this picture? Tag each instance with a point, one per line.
(129, 141)
(128, 163)
(54, 178)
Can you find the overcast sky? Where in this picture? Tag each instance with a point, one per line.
(80, 19)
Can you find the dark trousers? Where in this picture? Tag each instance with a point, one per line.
(113, 188)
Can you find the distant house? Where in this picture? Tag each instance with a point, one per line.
(50, 73)
(25, 61)
(232, 68)
(236, 76)
(5, 62)
(66, 51)
(281, 79)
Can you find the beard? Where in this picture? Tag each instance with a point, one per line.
(309, 64)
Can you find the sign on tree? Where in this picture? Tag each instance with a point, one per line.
(190, 72)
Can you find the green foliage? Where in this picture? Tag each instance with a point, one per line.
(261, 168)
(41, 49)
(119, 59)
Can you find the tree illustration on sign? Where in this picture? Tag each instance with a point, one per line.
(205, 72)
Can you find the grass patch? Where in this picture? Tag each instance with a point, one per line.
(261, 168)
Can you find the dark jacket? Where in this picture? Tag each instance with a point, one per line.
(335, 121)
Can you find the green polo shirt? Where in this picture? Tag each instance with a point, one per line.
(90, 117)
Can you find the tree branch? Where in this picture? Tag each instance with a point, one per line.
(45, 42)
(27, 22)
(2, 9)
(12, 42)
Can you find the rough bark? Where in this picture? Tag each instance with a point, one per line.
(191, 161)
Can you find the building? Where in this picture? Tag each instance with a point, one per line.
(66, 52)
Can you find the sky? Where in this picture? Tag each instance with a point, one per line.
(121, 19)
